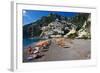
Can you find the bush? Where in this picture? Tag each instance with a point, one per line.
(72, 35)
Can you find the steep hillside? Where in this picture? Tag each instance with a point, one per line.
(54, 24)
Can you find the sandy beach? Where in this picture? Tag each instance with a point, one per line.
(78, 49)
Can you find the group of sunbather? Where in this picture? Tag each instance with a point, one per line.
(34, 52)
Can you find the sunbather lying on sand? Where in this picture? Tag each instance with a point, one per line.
(42, 44)
(62, 42)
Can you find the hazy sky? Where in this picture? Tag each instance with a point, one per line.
(33, 15)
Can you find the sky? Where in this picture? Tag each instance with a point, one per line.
(33, 15)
